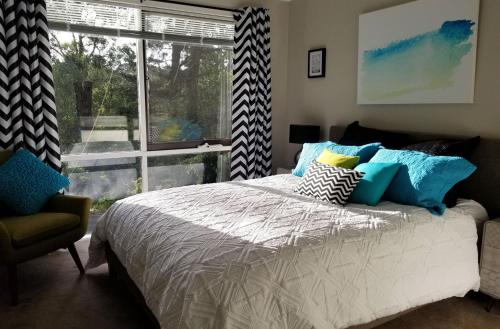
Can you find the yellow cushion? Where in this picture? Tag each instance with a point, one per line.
(338, 160)
(27, 230)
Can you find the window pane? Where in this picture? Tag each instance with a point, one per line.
(96, 92)
(190, 169)
(104, 181)
(189, 91)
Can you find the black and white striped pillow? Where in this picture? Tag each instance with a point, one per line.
(328, 183)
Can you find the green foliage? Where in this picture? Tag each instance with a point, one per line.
(106, 65)
(97, 76)
(101, 205)
(189, 82)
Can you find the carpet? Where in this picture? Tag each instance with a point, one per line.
(53, 295)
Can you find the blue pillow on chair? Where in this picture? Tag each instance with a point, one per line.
(311, 151)
(423, 179)
(26, 183)
(377, 178)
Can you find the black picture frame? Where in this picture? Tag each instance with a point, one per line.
(316, 63)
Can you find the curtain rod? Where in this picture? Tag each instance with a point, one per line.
(198, 5)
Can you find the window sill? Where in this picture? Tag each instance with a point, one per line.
(133, 154)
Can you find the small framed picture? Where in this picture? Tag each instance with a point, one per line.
(317, 61)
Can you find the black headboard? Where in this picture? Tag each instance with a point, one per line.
(484, 185)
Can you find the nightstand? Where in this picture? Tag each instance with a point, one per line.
(281, 171)
(490, 262)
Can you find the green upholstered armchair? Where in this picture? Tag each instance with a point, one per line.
(61, 223)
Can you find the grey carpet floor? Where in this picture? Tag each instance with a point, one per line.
(53, 295)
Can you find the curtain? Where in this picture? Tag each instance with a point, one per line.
(251, 155)
(27, 104)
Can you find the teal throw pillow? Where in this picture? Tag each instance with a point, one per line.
(26, 183)
(423, 180)
(377, 178)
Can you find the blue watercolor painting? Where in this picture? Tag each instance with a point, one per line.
(427, 61)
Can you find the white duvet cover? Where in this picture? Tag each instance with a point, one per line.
(256, 255)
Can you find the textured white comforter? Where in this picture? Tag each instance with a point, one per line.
(256, 255)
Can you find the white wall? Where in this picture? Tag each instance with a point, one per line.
(334, 24)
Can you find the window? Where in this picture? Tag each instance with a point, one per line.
(143, 95)
(187, 169)
(104, 181)
(188, 94)
(95, 79)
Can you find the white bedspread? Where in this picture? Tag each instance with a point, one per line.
(256, 255)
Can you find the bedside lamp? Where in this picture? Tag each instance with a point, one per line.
(300, 134)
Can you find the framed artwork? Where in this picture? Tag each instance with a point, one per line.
(317, 61)
(417, 53)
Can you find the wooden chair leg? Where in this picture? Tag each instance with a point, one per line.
(12, 277)
(76, 258)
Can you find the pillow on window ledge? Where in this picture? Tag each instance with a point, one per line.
(26, 183)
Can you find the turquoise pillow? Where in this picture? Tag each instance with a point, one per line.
(26, 183)
(311, 151)
(423, 179)
(377, 178)
(364, 152)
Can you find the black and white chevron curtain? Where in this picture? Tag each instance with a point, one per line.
(251, 113)
(27, 105)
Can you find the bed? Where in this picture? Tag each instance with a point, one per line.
(255, 254)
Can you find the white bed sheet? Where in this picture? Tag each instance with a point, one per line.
(256, 255)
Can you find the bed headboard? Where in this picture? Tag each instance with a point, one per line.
(484, 185)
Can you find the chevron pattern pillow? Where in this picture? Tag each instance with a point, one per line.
(328, 183)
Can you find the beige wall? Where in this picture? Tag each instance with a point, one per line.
(334, 24)
(279, 12)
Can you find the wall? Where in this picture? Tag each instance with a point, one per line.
(279, 12)
(334, 24)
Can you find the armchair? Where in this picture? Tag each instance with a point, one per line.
(61, 223)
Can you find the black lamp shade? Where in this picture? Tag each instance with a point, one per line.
(300, 134)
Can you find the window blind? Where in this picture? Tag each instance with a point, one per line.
(114, 19)
(178, 25)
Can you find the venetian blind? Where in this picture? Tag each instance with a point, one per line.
(116, 19)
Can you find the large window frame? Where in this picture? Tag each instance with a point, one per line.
(174, 145)
(149, 150)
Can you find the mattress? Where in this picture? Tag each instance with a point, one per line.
(255, 254)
